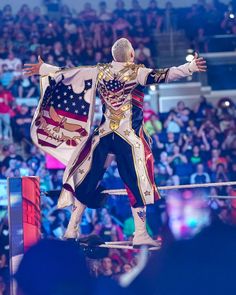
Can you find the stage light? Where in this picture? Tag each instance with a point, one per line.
(227, 103)
(231, 15)
(190, 55)
(153, 87)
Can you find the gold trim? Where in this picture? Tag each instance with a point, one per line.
(89, 164)
(145, 166)
(135, 166)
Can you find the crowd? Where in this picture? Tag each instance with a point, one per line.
(189, 145)
(70, 37)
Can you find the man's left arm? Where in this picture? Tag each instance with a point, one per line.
(156, 76)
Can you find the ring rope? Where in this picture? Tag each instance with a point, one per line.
(172, 187)
(222, 197)
(126, 247)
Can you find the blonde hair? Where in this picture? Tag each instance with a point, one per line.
(121, 50)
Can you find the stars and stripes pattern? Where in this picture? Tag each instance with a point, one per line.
(64, 113)
(115, 92)
(62, 97)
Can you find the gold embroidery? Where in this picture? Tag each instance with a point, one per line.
(114, 125)
(147, 193)
(56, 132)
(116, 116)
(127, 132)
(158, 75)
(127, 73)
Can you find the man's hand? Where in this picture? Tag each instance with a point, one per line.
(198, 64)
(32, 69)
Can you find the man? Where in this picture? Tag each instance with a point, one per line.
(6, 100)
(22, 122)
(200, 176)
(121, 132)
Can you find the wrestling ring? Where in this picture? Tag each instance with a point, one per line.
(25, 216)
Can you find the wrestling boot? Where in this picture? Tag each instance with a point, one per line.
(72, 231)
(141, 236)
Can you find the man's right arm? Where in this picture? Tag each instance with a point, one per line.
(46, 69)
(39, 68)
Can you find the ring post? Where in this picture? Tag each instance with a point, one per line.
(24, 219)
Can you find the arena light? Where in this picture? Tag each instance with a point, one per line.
(227, 103)
(153, 88)
(190, 55)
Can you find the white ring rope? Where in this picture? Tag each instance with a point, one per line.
(173, 187)
(125, 247)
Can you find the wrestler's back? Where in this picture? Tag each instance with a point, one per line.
(116, 85)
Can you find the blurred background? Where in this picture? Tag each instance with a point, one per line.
(192, 123)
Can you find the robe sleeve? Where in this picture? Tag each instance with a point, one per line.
(148, 76)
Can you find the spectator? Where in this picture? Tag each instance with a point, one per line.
(168, 272)
(35, 159)
(120, 10)
(170, 143)
(143, 55)
(201, 41)
(6, 76)
(182, 112)
(88, 222)
(215, 160)
(11, 155)
(6, 99)
(59, 223)
(164, 171)
(88, 14)
(147, 111)
(153, 125)
(170, 17)
(230, 137)
(28, 87)
(173, 123)
(220, 174)
(200, 176)
(196, 157)
(12, 62)
(22, 122)
(177, 158)
(227, 23)
(126, 268)
(76, 38)
(45, 179)
(119, 26)
(107, 230)
(202, 109)
(103, 14)
(154, 16)
(60, 266)
(2, 285)
(106, 267)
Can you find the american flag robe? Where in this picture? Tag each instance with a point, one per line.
(62, 122)
(63, 118)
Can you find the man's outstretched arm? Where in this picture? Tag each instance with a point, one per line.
(40, 68)
(152, 76)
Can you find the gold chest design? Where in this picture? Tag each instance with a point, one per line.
(114, 89)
